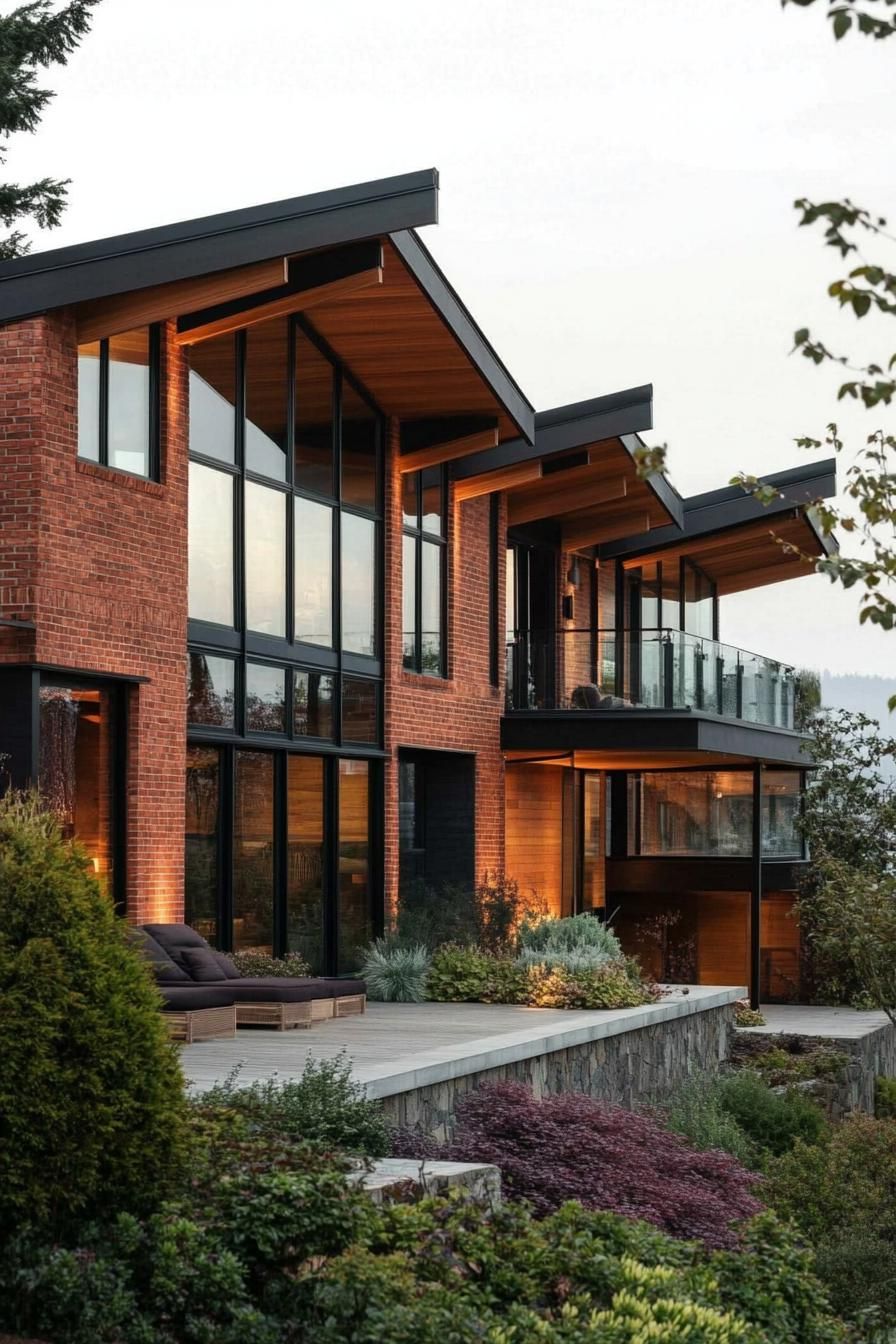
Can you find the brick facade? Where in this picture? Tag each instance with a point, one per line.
(97, 560)
(462, 712)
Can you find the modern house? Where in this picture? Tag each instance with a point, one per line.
(300, 601)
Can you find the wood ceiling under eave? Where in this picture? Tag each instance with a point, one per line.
(397, 345)
(750, 556)
(595, 501)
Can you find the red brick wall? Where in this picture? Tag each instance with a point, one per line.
(98, 560)
(463, 712)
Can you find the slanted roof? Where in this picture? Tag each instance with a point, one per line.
(736, 539)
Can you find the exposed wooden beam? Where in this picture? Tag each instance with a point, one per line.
(121, 312)
(553, 500)
(310, 281)
(506, 478)
(447, 452)
(585, 532)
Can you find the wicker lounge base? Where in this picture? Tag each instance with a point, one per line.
(201, 1024)
(285, 1016)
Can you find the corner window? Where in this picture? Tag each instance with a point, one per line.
(118, 382)
(424, 571)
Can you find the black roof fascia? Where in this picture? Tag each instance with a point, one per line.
(460, 322)
(66, 275)
(653, 730)
(719, 510)
(566, 427)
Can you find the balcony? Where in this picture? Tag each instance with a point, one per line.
(652, 669)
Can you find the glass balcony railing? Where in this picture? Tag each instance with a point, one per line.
(653, 669)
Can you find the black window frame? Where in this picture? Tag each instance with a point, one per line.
(423, 537)
(154, 463)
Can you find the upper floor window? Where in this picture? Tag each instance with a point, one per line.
(424, 570)
(118, 394)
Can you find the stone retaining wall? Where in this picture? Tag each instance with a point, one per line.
(630, 1069)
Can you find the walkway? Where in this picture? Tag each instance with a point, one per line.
(845, 1024)
(395, 1047)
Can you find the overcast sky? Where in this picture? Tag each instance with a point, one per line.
(616, 207)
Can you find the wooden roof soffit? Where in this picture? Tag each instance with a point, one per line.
(140, 307)
(581, 533)
(557, 499)
(428, 443)
(310, 281)
(505, 478)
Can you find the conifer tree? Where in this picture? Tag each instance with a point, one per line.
(33, 37)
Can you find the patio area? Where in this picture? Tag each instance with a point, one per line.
(395, 1048)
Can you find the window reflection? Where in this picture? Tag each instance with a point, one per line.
(89, 401)
(265, 559)
(314, 572)
(128, 414)
(211, 545)
(313, 704)
(213, 398)
(265, 698)
(253, 852)
(358, 584)
(409, 601)
(431, 609)
(700, 813)
(201, 841)
(304, 860)
(266, 398)
(210, 698)
(359, 450)
(76, 755)
(359, 716)
(354, 918)
(313, 418)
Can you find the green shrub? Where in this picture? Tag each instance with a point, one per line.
(395, 974)
(842, 1197)
(885, 1098)
(578, 943)
(260, 963)
(613, 986)
(458, 975)
(324, 1106)
(503, 911)
(745, 1016)
(696, 1112)
(486, 916)
(784, 1058)
(507, 982)
(91, 1093)
(773, 1121)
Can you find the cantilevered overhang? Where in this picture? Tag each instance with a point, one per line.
(349, 259)
(646, 739)
(739, 542)
(580, 472)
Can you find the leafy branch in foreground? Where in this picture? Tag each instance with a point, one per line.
(866, 16)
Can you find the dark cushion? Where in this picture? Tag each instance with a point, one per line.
(164, 969)
(203, 965)
(187, 998)
(276, 989)
(174, 939)
(341, 989)
(227, 966)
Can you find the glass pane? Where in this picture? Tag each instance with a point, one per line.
(253, 852)
(129, 401)
(89, 401)
(314, 418)
(431, 609)
(265, 698)
(698, 602)
(671, 596)
(211, 691)
(266, 398)
(304, 859)
(314, 572)
(355, 924)
(359, 718)
(510, 596)
(211, 545)
(409, 515)
(313, 704)
(358, 584)
(650, 599)
(76, 753)
(213, 398)
(265, 560)
(781, 797)
(359, 450)
(201, 841)
(698, 813)
(409, 601)
(432, 516)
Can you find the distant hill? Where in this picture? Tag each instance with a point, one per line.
(864, 695)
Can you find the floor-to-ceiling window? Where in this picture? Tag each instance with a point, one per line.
(285, 689)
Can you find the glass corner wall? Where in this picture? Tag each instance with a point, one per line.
(699, 814)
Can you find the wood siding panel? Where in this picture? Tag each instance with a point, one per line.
(533, 835)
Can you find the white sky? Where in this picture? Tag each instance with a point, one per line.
(617, 181)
